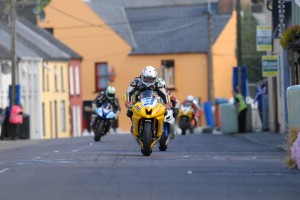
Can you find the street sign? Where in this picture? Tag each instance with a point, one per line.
(269, 66)
(264, 38)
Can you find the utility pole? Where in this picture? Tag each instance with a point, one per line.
(13, 51)
(211, 91)
(239, 43)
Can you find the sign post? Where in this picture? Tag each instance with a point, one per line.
(269, 66)
(263, 38)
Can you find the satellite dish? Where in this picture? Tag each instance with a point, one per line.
(5, 68)
(41, 13)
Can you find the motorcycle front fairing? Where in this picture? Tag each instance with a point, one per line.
(105, 111)
(148, 109)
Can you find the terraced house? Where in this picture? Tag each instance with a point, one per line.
(43, 74)
(118, 38)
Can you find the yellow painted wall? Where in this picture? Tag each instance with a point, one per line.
(50, 94)
(224, 59)
(102, 44)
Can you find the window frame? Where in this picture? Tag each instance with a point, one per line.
(97, 77)
(168, 66)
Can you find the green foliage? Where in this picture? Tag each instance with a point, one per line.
(250, 57)
(290, 35)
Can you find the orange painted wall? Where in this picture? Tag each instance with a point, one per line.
(224, 59)
(102, 44)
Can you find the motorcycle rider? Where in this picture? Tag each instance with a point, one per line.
(106, 96)
(196, 111)
(146, 81)
(174, 101)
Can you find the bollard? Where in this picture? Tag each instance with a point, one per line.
(293, 105)
(228, 118)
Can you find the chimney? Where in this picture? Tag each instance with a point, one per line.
(225, 7)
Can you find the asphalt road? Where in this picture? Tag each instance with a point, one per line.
(199, 166)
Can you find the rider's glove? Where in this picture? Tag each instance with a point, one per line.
(128, 104)
(94, 106)
(168, 105)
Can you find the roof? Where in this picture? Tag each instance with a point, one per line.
(4, 52)
(173, 29)
(34, 42)
(21, 49)
(161, 27)
(39, 44)
(113, 12)
(48, 36)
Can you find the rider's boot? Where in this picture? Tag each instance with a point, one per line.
(93, 121)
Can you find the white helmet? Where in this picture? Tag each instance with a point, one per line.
(110, 92)
(149, 76)
(190, 98)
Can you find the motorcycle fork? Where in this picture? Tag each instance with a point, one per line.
(153, 128)
(166, 129)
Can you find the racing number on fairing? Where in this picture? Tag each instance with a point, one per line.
(148, 101)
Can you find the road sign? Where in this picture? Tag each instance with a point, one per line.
(264, 38)
(269, 66)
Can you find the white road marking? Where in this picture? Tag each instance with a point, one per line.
(75, 150)
(189, 172)
(91, 144)
(56, 151)
(4, 170)
(20, 163)
(186, 156)
(36, 158)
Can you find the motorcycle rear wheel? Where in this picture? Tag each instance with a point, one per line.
(162, 142)
(147, 139)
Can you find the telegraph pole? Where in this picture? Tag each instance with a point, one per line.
(13, 52)
(211, 91)
(239, 43)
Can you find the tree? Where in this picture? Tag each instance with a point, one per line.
(250, 57)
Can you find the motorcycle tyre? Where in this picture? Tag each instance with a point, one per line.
(162, 142)
(183, 131)
(97, 132)
(147, 139)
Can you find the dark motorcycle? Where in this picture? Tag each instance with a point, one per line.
(103, 120)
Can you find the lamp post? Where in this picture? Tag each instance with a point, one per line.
(239, 43)
(211, 97)
(13, 52)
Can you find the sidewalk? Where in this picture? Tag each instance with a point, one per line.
(277, 140)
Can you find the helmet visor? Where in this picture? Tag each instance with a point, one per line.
(148, 79)
(110, 95)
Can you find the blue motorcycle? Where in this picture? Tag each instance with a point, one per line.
(103, 120)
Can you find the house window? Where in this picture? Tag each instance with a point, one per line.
(77, 80)
(168, 73)
(47, 77)
(62, 78)
(43, 119)
(63, 115)
(71, 77)
(44, 84)
(102, 76)
(55, 79)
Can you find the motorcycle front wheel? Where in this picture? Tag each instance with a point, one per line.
(97, 132)
(147, 139)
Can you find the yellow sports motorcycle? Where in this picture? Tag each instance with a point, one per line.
(184, 118)
(148, 120)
